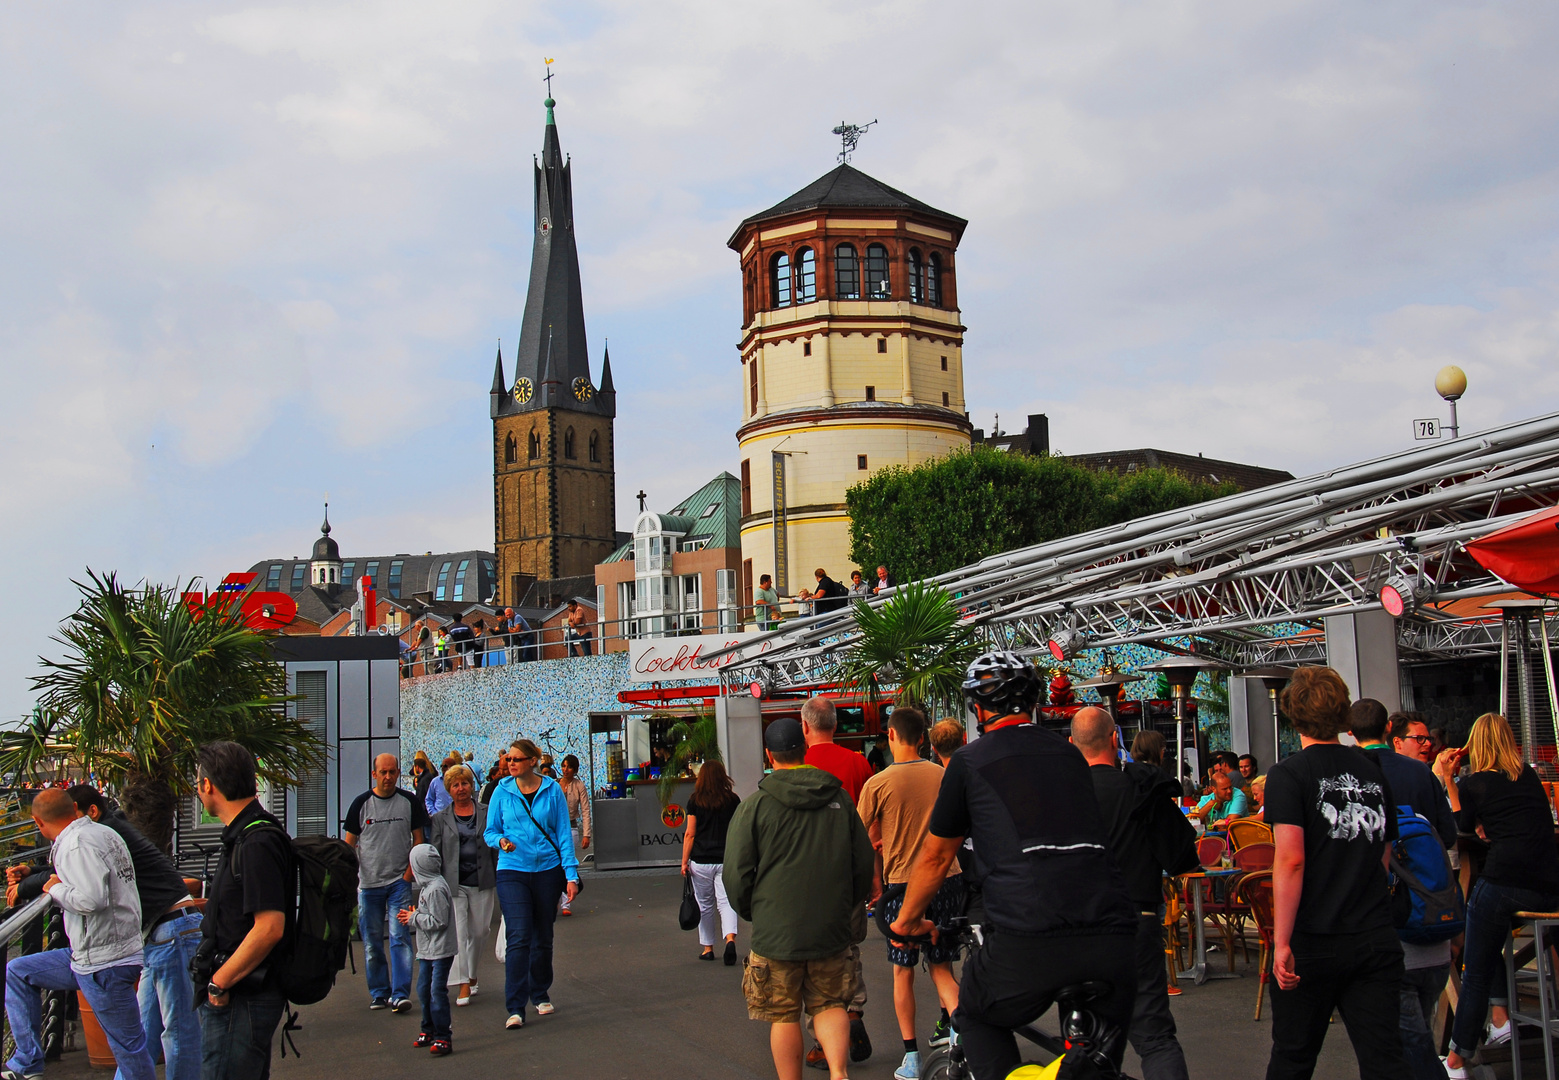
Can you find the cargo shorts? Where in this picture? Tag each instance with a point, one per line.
(780, 990)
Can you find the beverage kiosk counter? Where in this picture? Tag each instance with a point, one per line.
(632, 829)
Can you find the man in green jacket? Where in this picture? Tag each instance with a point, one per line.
(798, 863)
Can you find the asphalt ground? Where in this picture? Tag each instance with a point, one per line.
(633, 1000)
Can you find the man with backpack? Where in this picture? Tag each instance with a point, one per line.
(1426, 828)
(246, 919)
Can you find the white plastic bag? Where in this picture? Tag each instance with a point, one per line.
(501, 944)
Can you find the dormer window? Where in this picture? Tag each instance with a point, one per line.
(710, 511)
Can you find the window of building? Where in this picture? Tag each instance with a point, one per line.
(944, 399)
(916, 271)
(726, 600)
(347, 570)
(752, 378)
(511, 451)
(692, 602)
(695, 543)
(779, 280)
(395, 576)
(944, 363)
(806, 348)
(299, 573)
(860, 461)
(934, 280)
(312, 688)
(746, 487)
(460, 580)
(709, 511)
(568, 443)
(443, 580)
(516, 589)
(626, 626)
(877, 284)
(806, 276)
(847, 273)
(871, 393)
(273, 578)
(534, 449)
(882, 344)
(595, 446)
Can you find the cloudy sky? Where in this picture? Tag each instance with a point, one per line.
(255, 254)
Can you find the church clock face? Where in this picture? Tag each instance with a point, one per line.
(523, 390)
(582, 389)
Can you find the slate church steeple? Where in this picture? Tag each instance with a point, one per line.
(553, 462)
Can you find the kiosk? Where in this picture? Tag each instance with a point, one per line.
(632, 829)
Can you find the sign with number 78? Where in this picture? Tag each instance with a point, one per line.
(1426, 429)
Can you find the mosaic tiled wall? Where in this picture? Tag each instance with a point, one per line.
(482, 710)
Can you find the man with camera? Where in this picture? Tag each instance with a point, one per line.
(246, 919)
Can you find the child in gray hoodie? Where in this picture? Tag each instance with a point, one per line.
(433, 919)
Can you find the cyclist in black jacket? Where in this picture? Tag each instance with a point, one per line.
(1057, 910)
(1149, 836)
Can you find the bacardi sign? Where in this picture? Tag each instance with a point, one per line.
(671, 659)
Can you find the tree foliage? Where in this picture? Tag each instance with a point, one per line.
(914, 642)
(953, 511)
(146, 680)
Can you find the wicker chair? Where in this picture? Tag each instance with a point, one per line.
(1254, 891)
(1244, 831)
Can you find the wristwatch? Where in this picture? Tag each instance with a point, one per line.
(213, 990)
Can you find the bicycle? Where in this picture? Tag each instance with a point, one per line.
(1085, 1048)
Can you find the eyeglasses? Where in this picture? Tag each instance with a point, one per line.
(1422, 740)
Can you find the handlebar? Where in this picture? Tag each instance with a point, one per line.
(954, 928)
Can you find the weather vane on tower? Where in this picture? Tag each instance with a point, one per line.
(850, 135)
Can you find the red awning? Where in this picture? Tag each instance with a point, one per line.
(1525, 554)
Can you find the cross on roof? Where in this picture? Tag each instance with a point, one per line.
(548, 78)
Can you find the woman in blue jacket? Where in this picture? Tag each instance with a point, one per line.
(527, 821)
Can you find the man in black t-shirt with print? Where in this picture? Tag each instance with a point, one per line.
(1334, 946)
(246, 918)
(1057, 912)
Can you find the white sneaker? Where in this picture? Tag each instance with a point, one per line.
(545, 1008)
(1458, 1073)
(910, 1069)
(475, 989)
(1498, 1036)
(515, 1021)
(463, 1000)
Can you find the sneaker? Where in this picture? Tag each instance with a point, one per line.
(12, 1074)
(515, 1021)
(423, 1040)
(860, 1042)
(475, 989)
(1499, 1036)
(816, 1059)
(399, 1005)
(942, 1034)
(1174, 990)
(910, 1069)
(441, 1048)
(1458, 1073)
(379, 1003)
(545, 1008)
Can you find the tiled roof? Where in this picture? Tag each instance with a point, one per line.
(848, 188)
(713, 511)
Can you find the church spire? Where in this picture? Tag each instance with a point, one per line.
(606, 371)
(500, 388)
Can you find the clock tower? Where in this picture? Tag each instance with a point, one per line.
(554, 479)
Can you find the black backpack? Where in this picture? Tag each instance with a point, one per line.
(319, 928)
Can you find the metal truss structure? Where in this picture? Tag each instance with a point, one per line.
(1251, 575)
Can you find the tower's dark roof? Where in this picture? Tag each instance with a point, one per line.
(325, 548)
(847, 188)
(552, 353)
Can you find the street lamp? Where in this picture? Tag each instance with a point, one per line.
(1274, 679)
(1181, 672)
(1451, 383)
(1109, 683)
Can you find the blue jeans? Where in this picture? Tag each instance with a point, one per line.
(167, 996)
(236, 1039)
(110, 992)
(433, 990)
(529, 902)
(1489, 909)
(375, 907)
(1420, 998)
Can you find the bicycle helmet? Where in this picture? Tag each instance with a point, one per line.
(1004, 683)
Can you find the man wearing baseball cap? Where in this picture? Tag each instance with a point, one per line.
(798, 863)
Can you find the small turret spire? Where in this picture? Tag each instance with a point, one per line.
(499, 386)
(606, 371)
(325, 528)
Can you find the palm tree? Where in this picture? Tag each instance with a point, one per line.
(913, 641)
(147, 679)
(692, 739)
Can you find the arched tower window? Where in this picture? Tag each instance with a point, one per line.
(806, 276)
(568, 443)
(511, 450)
(877, 285)
(595, 446)
(847, 273)
(535, 446)
(916, 291)
(779, 280)
(934, 280)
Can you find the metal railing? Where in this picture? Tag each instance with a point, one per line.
(551, 642)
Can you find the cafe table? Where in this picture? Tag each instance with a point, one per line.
(1198, 970)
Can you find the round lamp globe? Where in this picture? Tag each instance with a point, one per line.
(1450, 382)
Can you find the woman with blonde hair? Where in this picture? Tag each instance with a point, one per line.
(1503, 801)
(470, 870)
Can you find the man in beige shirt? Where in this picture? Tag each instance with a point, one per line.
(895, 806)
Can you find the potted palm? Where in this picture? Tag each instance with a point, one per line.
(693, 742)
(915, 642)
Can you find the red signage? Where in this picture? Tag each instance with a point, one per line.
(261, 610)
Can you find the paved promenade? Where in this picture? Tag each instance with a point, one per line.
(634, 1001)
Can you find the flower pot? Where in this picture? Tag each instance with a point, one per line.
(99, 1056)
